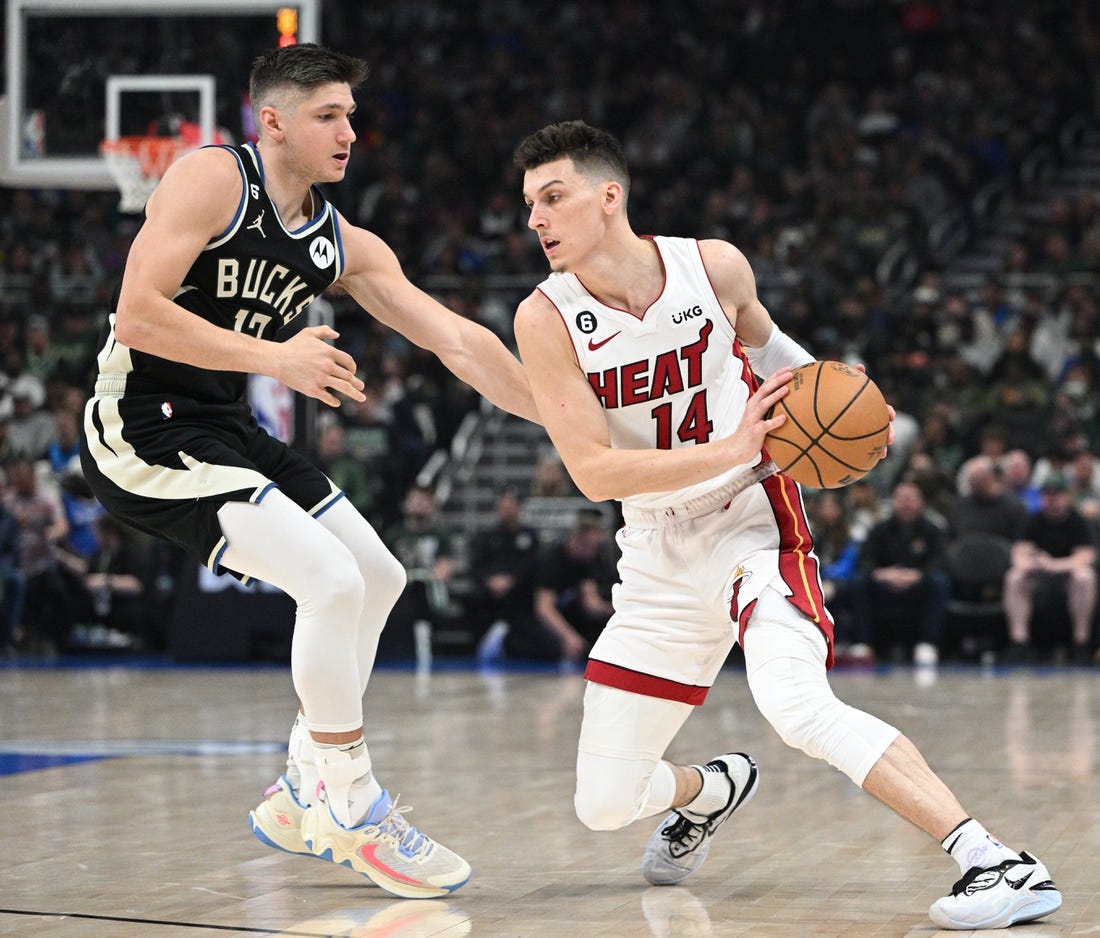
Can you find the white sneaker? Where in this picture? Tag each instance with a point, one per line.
(926, 655)
(679, 845)
(1012, 892)
(386, 849)
(277, 820)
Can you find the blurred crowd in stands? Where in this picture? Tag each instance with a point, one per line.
(826, 139)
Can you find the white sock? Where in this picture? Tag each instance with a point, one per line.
(350, 787)
(301, 763)
(712, 797)
(972, 845)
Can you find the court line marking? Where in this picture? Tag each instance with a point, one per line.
(155, 921)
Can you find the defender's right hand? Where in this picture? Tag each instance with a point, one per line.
(310, 364)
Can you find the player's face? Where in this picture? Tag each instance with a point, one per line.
(319, 133)
(566, 212)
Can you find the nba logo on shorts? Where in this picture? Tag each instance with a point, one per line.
(166, 410)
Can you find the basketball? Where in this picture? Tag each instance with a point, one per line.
(836, 428)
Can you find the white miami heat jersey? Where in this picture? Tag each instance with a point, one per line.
(676, 376)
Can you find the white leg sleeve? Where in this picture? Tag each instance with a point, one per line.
(785, 663)
(381, 572)
(620, 775)
(279, 543)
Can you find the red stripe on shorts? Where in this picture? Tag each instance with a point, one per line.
(611, 675)
(798, 564)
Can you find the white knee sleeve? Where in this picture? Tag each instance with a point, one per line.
(620, 775)
(785, 662)
(278, 542)
(383, 576)
(807, 715)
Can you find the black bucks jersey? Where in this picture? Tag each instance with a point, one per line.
(165, 444)
(255, 277)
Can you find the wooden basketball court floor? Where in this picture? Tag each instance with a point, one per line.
(124, 813)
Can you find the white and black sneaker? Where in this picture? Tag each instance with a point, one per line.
(1012, 892)
(680, 843)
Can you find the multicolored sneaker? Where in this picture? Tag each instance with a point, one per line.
(277, 821)
(1012, 892)
(680, 843)
(386, 849)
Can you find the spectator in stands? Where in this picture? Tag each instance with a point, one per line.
(573, 580)
(371, 439)
(350, 474)
(838, 552)
(32, 427)
(936, 486)
(12, 583)
(940, 441)
(81, 508)
(1058, 458)
(865, 508)
(7, 452)
(115, 580)
(900, 578)
(987, 508)
(1055, 558)
(75, 344)
(425, 547)
(502, 568)
(1020, 392)
(41, 356)
(74, 275)
(1083, 478)
(1016, 474)
(48, 604)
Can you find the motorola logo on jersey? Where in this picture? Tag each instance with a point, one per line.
(322, 252)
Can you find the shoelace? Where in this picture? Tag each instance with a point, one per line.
(684, 832)
(412, 840)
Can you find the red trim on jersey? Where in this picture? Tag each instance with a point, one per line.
(749, 377)
(568, 332)
(798, 564)
(611, 675)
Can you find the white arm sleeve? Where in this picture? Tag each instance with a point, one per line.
(780, 351)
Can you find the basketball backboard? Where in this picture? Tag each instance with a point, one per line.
(82, 70)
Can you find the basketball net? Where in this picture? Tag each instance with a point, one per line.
(138, 162)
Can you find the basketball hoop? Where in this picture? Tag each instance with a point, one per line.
(138, 162)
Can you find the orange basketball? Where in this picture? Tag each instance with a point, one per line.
(836, 428)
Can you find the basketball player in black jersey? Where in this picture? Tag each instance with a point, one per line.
(236, 243)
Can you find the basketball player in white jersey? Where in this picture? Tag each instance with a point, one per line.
(642, 354)
(237, 241)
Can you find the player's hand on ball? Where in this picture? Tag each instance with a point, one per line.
(758, 420)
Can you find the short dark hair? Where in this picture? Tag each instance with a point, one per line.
(593, 151)
(302, 67)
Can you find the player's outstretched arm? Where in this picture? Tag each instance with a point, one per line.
(578, 428)
(374, 278)
(195, 201)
